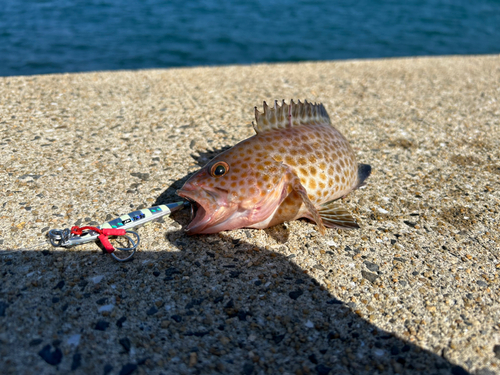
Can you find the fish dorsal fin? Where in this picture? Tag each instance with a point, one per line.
(289, 115)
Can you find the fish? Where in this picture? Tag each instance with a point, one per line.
(297, 165)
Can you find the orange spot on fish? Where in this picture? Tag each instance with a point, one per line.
(290, 161)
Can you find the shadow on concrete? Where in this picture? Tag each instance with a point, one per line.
(204, 309)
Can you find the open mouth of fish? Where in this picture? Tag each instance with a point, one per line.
(205, 211)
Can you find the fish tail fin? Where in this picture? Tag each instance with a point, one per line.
(364, 171)
(334, 215)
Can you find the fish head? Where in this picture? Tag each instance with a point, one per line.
(233, 192)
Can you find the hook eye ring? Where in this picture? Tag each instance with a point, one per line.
(132, 248)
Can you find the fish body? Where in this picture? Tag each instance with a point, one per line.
(297, 165)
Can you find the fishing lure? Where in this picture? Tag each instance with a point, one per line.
(117, 227)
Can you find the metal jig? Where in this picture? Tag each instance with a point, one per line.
(65, 237)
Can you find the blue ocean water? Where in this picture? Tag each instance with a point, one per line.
(49, 36)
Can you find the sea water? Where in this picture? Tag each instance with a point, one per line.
(50, 36)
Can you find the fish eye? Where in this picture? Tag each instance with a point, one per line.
(219, 169)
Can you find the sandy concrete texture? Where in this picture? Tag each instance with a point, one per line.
(415, 290)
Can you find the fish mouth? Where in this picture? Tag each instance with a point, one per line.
(210, 209)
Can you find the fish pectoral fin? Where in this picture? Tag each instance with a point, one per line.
(297, 186)
(336, 216)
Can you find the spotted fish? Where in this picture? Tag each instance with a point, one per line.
(297, 165)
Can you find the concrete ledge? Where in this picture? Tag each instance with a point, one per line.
(415, 290)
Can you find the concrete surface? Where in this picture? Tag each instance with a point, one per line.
(415, 290)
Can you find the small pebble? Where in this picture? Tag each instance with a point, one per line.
(369, 276)
(101, 325)
(153, 310)
(77, 361)
(51, 356)
(128, 369)
(296, 294)
(74, 339)
(177, 318)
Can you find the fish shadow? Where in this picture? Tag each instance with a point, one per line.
(203, 157)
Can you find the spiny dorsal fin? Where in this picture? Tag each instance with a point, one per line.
(289, 115)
